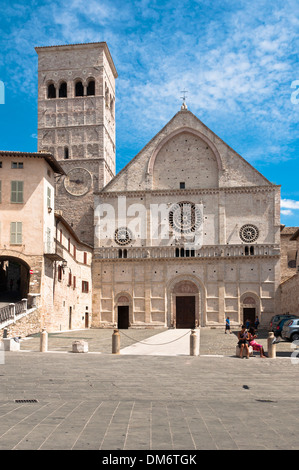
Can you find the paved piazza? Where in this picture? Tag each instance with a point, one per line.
(97, 400)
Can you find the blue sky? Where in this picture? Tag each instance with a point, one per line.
(237, 59)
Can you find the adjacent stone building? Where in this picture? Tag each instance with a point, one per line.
(68, 284)
(27, 226)
(288, 254)
(289, 288)
(41, 258)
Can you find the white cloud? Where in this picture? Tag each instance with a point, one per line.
(289, 204)
(286, 212)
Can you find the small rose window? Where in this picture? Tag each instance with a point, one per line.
(123, 236)
(249, 233)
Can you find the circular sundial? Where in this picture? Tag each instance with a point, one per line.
(78, 181)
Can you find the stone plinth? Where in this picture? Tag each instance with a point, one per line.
(10, 344)
(80, 347)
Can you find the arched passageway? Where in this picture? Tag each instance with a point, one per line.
(14, 279)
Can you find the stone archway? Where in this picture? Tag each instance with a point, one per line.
(185, 304)
(14, 279)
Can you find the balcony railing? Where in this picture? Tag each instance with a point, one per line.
(12, 311)
(213, 251)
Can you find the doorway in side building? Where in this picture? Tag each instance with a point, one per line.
(123, 317)
(70, 317)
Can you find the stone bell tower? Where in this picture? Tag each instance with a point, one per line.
(76, 122)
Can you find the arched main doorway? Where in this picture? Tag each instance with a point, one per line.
(185, 304)
(14, 279)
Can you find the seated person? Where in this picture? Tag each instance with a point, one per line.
(243, 342)
(255, 346)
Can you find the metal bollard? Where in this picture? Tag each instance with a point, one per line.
(194, 343)
(271, 346)
(115, 342)
(43, 341)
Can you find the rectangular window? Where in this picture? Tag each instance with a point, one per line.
(69, 245)
(17, 188)
(0, 192)
(60, 236)
(75, 252)
(15, 165)
(0, 164)
(49, 197)
(84, 286)
(70, 279)
(85, 257)
(74, 282)
(48, 240)
(59, 272)
(15, 233)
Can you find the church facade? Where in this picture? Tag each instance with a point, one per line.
(185, 235)
(193, 235)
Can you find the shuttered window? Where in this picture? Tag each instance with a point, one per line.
(17, 192)
(16, 233)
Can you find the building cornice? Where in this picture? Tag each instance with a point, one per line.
(184, 192)
(86, 45)
(54, 164)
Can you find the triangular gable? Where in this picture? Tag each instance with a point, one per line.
(234, 170)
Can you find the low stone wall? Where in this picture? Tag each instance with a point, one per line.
(25, 326)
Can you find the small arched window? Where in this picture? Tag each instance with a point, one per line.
(63, 90)
(79, 89)
(107, 96)
(66, 153)
(51, 91)
(91, 88)
(112, 105)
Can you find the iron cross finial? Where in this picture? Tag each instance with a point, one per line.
(184, 95)
(184, 106)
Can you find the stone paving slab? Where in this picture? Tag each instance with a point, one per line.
(131, 402)
(168, 343)
(212, 341)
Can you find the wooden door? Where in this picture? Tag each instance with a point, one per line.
(185, 311)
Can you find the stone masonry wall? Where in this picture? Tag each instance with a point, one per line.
(25, 326)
